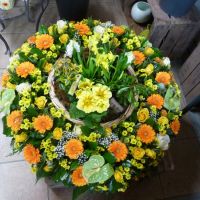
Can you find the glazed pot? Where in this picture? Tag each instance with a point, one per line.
(141, 12)
(177, 8)
(72, 10)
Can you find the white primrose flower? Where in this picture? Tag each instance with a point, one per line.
(22, 87)
(70, 47)
(99, 29)
(61, 24)
(163, 141)
(166, 61)
(130, 57)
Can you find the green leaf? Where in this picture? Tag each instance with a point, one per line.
(6, 129)
(172, 99)
(43, 29)
(58, 174)
(32, 111)
(95, 171)
(75, 112)
(86, 130)
(74, 165)
(114, 186)
(6, 98)
(78, 191)
(110, 158)
(102, 175)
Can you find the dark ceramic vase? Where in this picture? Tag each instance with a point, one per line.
(177, 8)
(72, 9)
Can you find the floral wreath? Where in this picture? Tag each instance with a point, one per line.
(65, 98)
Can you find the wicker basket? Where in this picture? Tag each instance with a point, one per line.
(58, 104)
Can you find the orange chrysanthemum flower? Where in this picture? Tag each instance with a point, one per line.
(156, 100)
(163, 77)
(77, 177)
(146, 133)
(73, 148)
(118, 30)
(139, 57)
(31, 39)
(119, 150)
(31, 154)
(44, 41)
(175, 126)
(4, 79)
(24, 69)
(82, 29)
(42, 123)
(14, 120)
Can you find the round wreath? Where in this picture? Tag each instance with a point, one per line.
(90, 104)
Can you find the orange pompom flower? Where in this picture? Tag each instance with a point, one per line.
(14, 120)
(73, 148)
(155, 100)
(175, 126)
(139, 57)
(118, 30)
(77, 177)
(119, 150)
(82, 29)
(44, 41)
(31, 154)
(146, 133)
(31, 39)
(42, 123)
(5, 78)
(163, 77)
(24, 69)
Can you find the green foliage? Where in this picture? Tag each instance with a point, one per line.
(6, 98)
(172, 99)
(43, 29)
(110, 158)
(95, 171)
(6, 129)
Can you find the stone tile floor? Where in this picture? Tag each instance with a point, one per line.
(16, 179)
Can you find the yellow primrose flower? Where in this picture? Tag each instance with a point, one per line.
(57, 133)
(138, 153)
(85, 84)
(118, 176)
(102, 105)
(21, 137)
(148, 51)
(40, 102)
(64, 38)
(101, 92)
(86, 102)
(143, 114)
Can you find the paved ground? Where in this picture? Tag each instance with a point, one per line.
(18, 183)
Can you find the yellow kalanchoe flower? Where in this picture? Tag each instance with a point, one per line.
(22, 137)
(143, 114)
(57, 133)
(40, 102)
(138, 153)
(118, 176)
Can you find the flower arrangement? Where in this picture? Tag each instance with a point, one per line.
(63, 91)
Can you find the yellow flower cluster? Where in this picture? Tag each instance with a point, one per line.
(91, 138)
(48, 149)
(93, 98)
(133, 42)
(105, 59)
(26, 124)
(65, 164)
